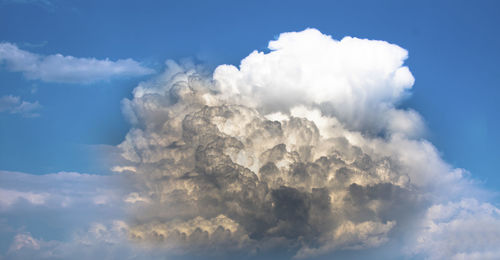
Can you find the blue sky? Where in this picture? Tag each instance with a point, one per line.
(68, 121)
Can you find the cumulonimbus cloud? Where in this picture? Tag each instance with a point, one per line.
(67, 69)
(303, 148)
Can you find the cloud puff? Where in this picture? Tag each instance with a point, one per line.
(466, 229)
(67, 69)
(9, 197)
(14, 105)
(56, 190)
(100, 240)
(302, 148)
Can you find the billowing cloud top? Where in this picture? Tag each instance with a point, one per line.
(301, 148)
(355, 80)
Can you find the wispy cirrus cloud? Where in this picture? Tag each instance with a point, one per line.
(67, 69)
(35, 44)
(14, 105)
(46, 3)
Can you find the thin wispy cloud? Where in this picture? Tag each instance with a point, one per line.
(35, 45)
(45, 4)
(67, 69)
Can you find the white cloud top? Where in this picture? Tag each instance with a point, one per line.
(353, 79)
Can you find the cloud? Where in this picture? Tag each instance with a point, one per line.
(62, 215)
(67, 69)
(9, 197)
(466, 229)
(44, 3)
(302, 149)
(104, 241)
(14, 105)
(35, 45)
(56, 190)
(67, 215)
(99, 240)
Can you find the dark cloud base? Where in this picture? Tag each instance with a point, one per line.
(200, 199)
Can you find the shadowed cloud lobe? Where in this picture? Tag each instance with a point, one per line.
(301, 149)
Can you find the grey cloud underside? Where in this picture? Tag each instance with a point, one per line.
(213, 175)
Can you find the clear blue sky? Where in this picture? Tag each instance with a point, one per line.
(453, 54)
